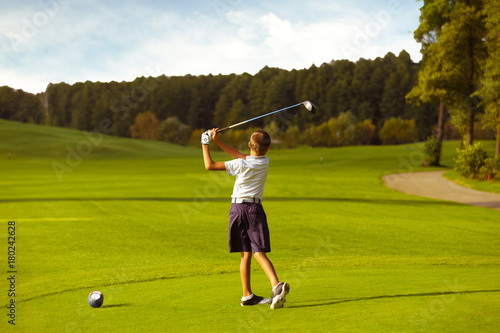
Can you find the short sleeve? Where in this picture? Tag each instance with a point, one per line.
(233, 167)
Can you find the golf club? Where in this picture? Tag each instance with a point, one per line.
(308, 105)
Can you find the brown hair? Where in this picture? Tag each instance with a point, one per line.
(260, 141)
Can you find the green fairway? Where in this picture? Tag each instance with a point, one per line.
(146, 224)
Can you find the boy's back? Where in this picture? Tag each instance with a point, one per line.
(251, 174)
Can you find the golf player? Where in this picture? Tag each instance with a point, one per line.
(248, 230)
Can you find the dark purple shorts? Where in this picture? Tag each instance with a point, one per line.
(248, 228)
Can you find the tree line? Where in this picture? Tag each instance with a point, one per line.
(365, 90)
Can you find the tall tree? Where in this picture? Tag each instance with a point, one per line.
(460, 53)
(398, 83)
(490, 90)
(279, 91)
(58, 96)
(256, 94)
(236, 89)
(236, 113)
(338, 96)
(364, 86)
(432, 86)
(78, 110)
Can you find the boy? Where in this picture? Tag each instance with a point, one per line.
(248, 230)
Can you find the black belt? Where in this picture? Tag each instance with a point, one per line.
(246, 200)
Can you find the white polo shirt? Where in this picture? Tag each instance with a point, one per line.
(250, 175)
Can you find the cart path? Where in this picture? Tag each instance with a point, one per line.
(433, 185)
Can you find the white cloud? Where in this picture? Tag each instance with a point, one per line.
(92, 40)
(279, 31)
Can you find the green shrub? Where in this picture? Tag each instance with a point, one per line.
(146, 126)
(292, 135)
(490, 168)
(174, 131)
(344, 129)
(432, 150)
(340, 131)
(365, 132)
(397, 131)
(470, 160)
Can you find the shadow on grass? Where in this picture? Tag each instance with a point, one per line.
(339, 301)
(114, 306)
(267, 199)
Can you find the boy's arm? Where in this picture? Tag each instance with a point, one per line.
(209, 163)
(233, 152)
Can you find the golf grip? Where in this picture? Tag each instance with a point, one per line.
(222, 129)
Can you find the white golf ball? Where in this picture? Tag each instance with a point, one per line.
(95, 299)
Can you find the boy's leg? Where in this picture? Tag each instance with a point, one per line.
(246, 260)
(267, 266)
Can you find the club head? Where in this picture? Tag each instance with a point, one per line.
(310, 107)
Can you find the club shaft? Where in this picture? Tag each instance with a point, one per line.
(264, 115)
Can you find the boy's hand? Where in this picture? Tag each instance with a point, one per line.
(214, 134)
(206, 137)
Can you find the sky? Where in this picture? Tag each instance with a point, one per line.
(51, 41)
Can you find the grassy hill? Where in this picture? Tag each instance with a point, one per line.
(29, 141)
(144, 223)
